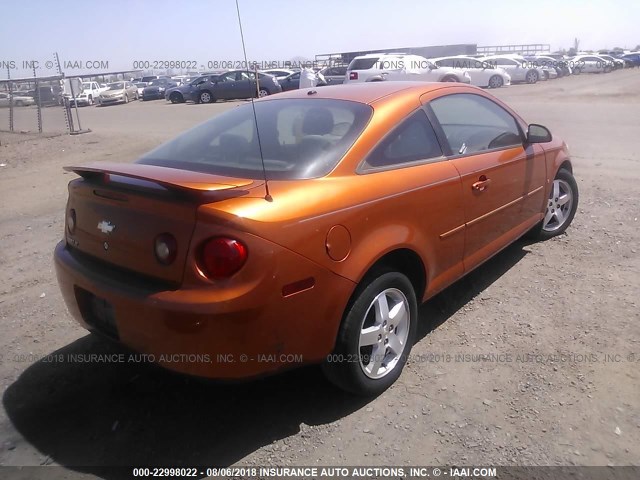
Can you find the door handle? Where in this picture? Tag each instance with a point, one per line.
(482, 184)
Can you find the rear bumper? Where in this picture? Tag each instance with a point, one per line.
(237, 333)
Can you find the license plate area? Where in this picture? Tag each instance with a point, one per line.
(97, 313)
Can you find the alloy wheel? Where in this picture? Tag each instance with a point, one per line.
(558, 207)
(384, 333)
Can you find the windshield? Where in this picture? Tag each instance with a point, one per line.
(300, 138)
(116, 86)
(159, 81)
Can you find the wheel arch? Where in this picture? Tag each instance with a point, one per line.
(566, 165)
(403, 260)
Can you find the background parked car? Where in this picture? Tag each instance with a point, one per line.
(236, 84)
(558, 63)
(482, 74)
(631, 59)
(157, 88)
(88, 95)
(19, 99)
(589, 64)
(518, 68)
(378, 67)
(118, 92)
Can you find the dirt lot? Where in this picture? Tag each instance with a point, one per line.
(557, 322)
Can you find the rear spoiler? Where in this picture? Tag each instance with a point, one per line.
(171, 178)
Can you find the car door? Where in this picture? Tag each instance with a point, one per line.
(225, 86)
(246, 84)
(502, 180)
(512, 67)
(430, 202)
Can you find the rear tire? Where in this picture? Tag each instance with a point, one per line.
(377, 332)
(532, 77)
(450, 78)
(205, 97)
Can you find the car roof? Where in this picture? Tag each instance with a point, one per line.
(365, 92)
(383, 54)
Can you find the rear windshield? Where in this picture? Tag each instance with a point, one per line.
(362, 63)
(299, 139)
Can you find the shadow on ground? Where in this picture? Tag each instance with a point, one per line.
(87, 415)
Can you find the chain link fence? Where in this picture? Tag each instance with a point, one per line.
(33, 104)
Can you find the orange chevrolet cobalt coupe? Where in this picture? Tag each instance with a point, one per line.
(307, 227)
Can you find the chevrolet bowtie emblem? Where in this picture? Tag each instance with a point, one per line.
(106, 227)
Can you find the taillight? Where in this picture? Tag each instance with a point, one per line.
(221, 257)
(353, 75)
(165, 248)
(71, 221)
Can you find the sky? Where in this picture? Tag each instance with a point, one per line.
(203, 32)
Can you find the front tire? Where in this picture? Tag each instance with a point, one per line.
(449, 78)
(175, 97)
(376, 335)
(561, 206)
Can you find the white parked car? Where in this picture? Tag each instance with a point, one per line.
(88, 95)
(590, 64)
(18, 99)
(518, 68)
(482, 74)
(376, 67)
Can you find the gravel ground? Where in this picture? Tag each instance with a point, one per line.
(532, 359)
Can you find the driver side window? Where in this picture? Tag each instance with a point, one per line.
(473, 123)
(228, 77)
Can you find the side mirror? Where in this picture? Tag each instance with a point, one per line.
(538, 134)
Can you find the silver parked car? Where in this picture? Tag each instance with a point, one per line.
(118, 92)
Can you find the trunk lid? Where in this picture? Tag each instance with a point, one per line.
(121, 208)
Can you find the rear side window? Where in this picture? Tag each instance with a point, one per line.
(363, 63)
(299, 139)
(473, 123)
(414, 140)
